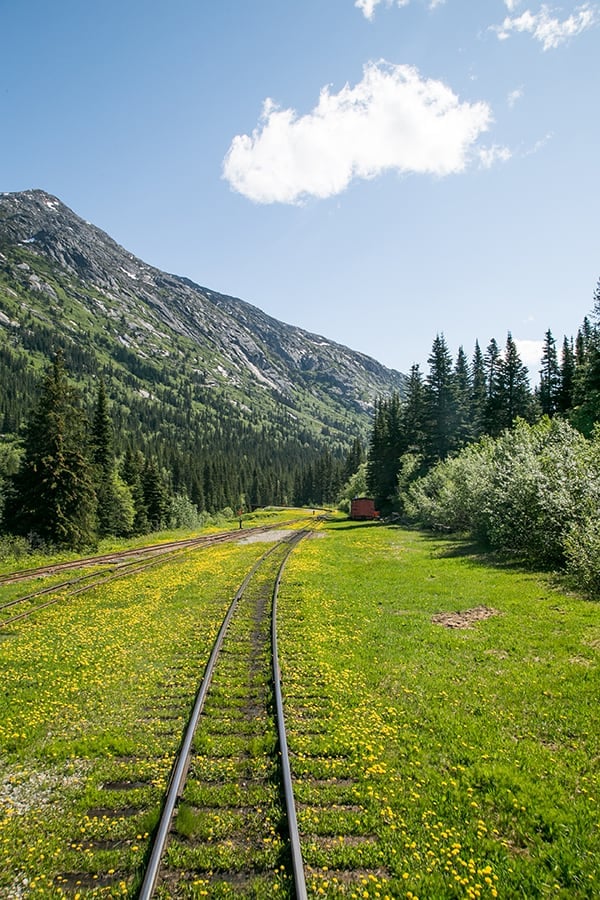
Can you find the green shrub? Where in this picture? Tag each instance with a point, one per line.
(582, 552)
(523, 492)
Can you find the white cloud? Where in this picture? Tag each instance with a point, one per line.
(549, 31)
(392, 120)
(511, 5)
(488, 156)
(530, 353)
(514, 97)
(368, 6)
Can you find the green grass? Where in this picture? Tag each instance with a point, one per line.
(476, 750)
(442, 763)
(9, 562)
(85, 684)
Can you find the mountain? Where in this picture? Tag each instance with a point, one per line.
(192, 370)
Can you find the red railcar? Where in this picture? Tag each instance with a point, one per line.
(363, 508)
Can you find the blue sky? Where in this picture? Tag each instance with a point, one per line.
(375, 171)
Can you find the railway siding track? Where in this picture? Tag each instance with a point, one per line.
(105, 568)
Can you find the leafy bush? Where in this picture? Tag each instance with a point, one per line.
(356, 486)
(183, 513)
(523, 492)
(13, 547)
(582, 552)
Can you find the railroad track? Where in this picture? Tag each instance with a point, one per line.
(229, 818)
(227, 825)
(112, 566)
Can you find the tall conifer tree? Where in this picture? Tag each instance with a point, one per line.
(54, 494)
(515, 393)
(478, 392)
(567, 377)
(550, 385)
(462, 394)
(440, 404)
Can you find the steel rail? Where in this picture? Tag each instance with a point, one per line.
(182, 761)
(286, 772)
(24, 574)
(156, 554)
(100, 579)
(181, 764)
(150, 557)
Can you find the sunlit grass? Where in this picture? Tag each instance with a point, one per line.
(430, 762)
(470, 754)
(82, 707)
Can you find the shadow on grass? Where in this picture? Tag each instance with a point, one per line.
(347, 525)
(477, 554)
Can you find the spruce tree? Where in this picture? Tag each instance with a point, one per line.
(414, 413)
(440, 403)
(514, 391)
(550, 381)
(478, 392)
(493, 422)
(386, 446)
(132, 469)
(462, 400)
(567, 377)
(104, 465)
(54, 495)
(354, 458)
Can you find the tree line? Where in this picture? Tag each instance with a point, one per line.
(458, 402)
(68, 485)
(473, 448)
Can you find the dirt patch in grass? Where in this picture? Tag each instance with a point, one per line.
(465, 619)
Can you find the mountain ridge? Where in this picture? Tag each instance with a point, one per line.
(96, 258)
(193, 375)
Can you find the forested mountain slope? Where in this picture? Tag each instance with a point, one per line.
(191, 374)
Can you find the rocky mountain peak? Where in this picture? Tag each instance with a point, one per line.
(237, 343)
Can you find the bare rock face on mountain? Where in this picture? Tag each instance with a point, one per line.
(62, 272)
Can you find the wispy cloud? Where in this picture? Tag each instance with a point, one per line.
(368, 6)
(511, 5)
(539, 145)
(392, 120)
(514, 97)
(488, 156)
(550, 31)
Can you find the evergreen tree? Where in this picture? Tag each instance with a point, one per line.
(414, 413)
(586, 381)
(387, 444)
(462, 401)
(54, 494)
(513, 381)
(354, 458)
(493, 422)
(550, 381)
(478, 392)
(155, 495)
(567, 377)
(439, 402)
(102, 440)
(115, 508)
(133, 467)
(596, 310)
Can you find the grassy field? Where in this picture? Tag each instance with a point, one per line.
(473, 751)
